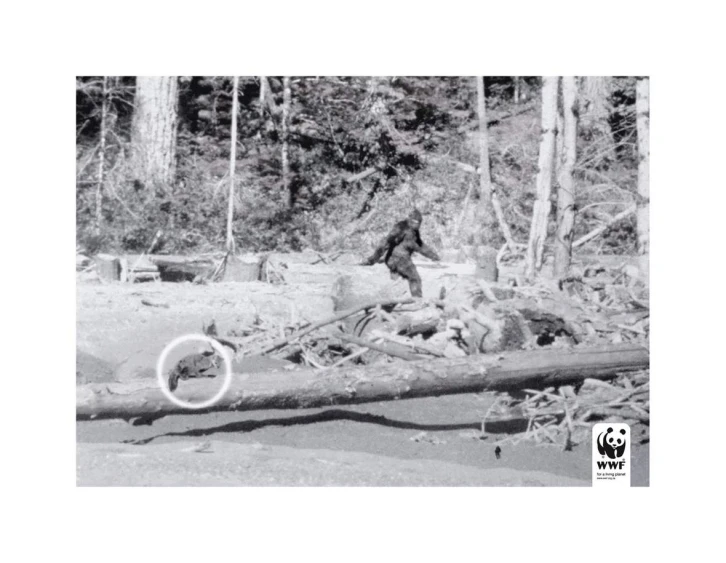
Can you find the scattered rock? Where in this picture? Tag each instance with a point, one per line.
(152, 303)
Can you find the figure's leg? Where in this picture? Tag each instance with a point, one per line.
(393, 264)
(408, 271)
(415, 285)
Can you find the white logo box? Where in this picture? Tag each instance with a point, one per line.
(611, 454)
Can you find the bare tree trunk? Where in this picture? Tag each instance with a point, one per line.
(232, 164)
(642, 106)
(517, 81)
(286, 102)
(488, 199)
(643, 124)
(464, 209)
(541, 211)
(263, 95)
(154, 130)
(101, 157)
(485, 180)
(566, 193)
(496, 204)
(484, 216)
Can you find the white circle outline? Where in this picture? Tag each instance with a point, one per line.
(163, 380)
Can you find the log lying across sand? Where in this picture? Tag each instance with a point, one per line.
(347, 385)
(172, 267)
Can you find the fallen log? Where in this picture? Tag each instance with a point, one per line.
(361, 175)
(173, 267)
(403, 341)
(354, 384)
(394, 351)
(602, 228)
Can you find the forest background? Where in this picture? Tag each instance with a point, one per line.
(329, 163)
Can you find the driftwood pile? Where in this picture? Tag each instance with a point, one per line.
(598, 306)
(563, 416)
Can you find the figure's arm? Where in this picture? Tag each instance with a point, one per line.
(429, 252)
(426, 250)
(376, 256)
(393, 238)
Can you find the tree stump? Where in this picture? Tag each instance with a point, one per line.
(486, 264)
(242, 269)
(108, 267)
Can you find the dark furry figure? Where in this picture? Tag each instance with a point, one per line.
(192, 366)
(396, 250)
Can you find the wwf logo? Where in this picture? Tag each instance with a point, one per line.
(611, 444)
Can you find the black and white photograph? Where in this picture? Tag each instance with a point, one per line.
(362, 281)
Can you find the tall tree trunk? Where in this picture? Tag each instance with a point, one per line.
(485, 218)
(263, 95)
(503, 226)
(595, 114)
(541, 211)
(488, 197)
(154, 130)
(566, 193)
(286, 102)
(101, 157)
(232, 164)
(642, 107)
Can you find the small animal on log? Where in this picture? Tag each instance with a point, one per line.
(194, 366)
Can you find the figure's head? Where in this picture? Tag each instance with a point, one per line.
(415, 219)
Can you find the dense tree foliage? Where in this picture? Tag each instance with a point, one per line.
(362, 151)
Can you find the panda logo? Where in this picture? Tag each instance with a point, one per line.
(611, 444)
